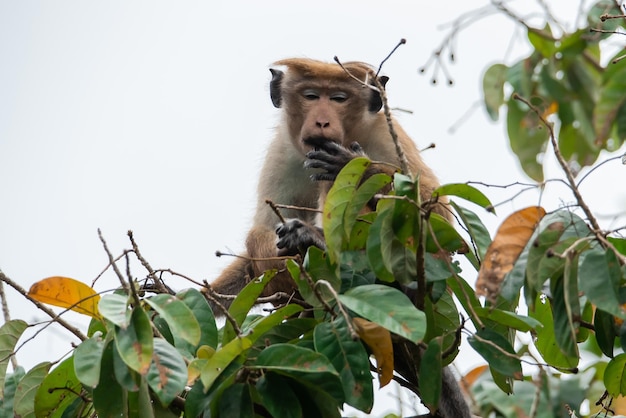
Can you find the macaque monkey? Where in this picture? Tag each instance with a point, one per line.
(328, 118)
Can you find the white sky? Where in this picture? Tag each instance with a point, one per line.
(154, 116)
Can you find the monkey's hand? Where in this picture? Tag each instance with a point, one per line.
(296, 236)
(330, 157)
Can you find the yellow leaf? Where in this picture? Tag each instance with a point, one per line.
(552, 108)
(378, 339)
(194, 369)
(66, 293)
(506, 247)
(472, 376)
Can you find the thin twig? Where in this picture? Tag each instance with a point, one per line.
(129, 288)
(521, 359)
(160, 286)
(292, 207)
(401, 42)
(377, 86)
(353, 334)
(7, 316)
(104, 270)
(276, 211)
(112, 262)
(210, 294)
(315, 290)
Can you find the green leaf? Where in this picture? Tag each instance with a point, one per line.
(203, 314)
(286, 331)
(278, 397)
(542, 43)
(534, 270)
(493, 89)
(24, 400)
(10, 386)
(87, 358)
(599, 277)
(337, 201)
(236, 402)
(221, 359)
(519, 75)
(611, 99)
(436, 269)
(465, 191)
(361, 197)
(564, 328)
(619, 244)
(402, 263)
(605, 332)
(350, 359)
(548, 236)
(318, 267)
(476, 229)
(380, 240)
(59, 390)
(465, 294)
(597, 10)
(135, 343)
(288, 357)
(545, 342)
(615, 376)
(355, 270)
(443, 321)
(10, 333)
(109, 398)
(510, 319)
(493, 350)
(139, 402)
(127, 378)
(178, 316)
(389, 308)
(306, 366)
(245, 300)
(431, 375)
(258, 328)
(167, 375)
(114, 307)
(205, 403)
(442, 235)
(528, 137)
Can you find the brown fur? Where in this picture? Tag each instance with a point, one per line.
(284, 180)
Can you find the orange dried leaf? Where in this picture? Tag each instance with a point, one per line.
(66, 293)
(472, 376)
(510, 240)
(378, 339)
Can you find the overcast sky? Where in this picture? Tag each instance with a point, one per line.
(154, 116)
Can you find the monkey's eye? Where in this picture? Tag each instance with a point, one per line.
(310, 95)
(339, 97)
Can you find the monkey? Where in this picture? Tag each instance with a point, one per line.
(329, 116)
(324, 110)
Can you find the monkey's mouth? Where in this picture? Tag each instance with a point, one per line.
(320, 142)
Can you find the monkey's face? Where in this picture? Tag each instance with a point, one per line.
(326, 111)
(325, 102)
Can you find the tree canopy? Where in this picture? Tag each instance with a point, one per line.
(546, 312)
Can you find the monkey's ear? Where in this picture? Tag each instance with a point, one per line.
(275, 93)
(376, 102)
